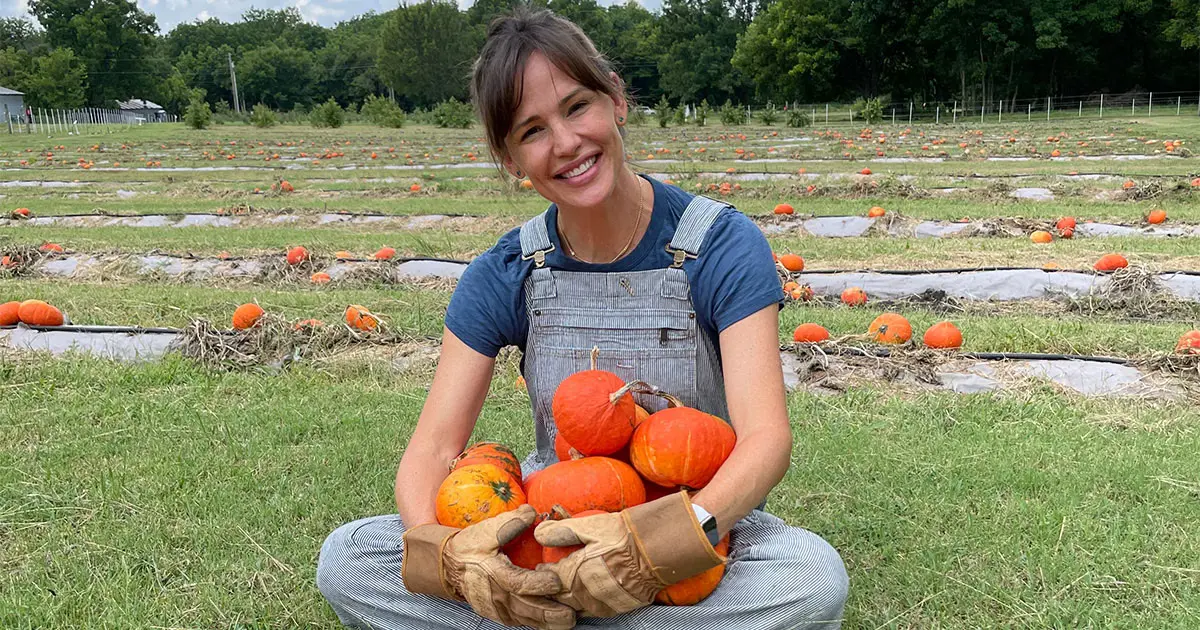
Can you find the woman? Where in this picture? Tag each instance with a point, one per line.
(676, 290)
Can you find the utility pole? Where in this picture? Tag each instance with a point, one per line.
(237, 105)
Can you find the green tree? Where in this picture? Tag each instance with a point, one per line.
(426, 52)
(20, 33)
(279, 77)
(345, 66)
(58, 79)
(696, 40)
(198, 115)
(113, 39)
(263, 116)
(791, 51)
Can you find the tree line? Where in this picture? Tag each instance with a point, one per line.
(94, 52)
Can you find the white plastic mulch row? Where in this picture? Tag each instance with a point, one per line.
(827, 227)
(1088, 378)
(999, 285)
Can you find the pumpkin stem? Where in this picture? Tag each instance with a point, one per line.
(595, 355)
(642, 387)
(575, 454)
(559, 513)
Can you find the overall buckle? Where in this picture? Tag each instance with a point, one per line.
(539, 256)
(679, 256)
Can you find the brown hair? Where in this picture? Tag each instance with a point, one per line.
(496, 76)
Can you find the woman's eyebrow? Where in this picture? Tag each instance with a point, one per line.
(570, 95)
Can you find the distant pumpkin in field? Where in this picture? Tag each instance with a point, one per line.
(875, 212)
(1156, 216)
(810, 333)
(297, 255)
(854, 296)
(890, 328)
(247, 315)
(360, 318)
(1110, 262)
(1041, 236)
(784, 208)
(792, 262)
(943, 335)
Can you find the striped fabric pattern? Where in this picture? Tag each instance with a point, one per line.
(778, 576)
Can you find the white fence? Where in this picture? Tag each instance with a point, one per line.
(76, 122)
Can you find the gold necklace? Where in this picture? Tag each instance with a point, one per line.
(636, 225)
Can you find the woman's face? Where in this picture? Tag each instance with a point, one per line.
(565, 137)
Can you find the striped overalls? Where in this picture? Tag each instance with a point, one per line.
(643, 323)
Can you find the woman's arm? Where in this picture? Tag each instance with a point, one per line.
(758, 411)
(459, 388)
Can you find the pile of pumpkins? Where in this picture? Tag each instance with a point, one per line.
(31, 313)
(891, 329)
(612, 453)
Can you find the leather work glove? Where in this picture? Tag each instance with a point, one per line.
(628, 556)
(467, 565)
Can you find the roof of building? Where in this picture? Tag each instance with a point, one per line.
(5, 92)
(137, 103)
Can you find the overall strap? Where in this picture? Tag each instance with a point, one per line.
(693, 225)
(535, 240)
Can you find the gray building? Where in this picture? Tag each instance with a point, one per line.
(14, 100)
(140, 108)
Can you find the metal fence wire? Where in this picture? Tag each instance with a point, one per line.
(78, 121)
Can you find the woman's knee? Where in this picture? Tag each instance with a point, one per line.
(821, 575)
(358, 550)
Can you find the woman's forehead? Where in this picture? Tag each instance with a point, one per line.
(543, 85)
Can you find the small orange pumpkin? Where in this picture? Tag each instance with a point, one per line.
(792, 262)
(943, 335)
(247, 315)
(681, 446)
(594, 411)
(865, 171)
(875, 212)
(890, 328)
(854, 296)
(524, 550)
(309, 324)
(693, 590)
(320, 278)
(1156, 216)
(1189, 343)
(297, 255)
(810, 333)
(342, 254)
(384, 253)
(1110, 262)
(1041, 236)
(586, 483)
(1066, 233)
(51, 247)
(9, 313)
(286, 187)
(784, 208)
(474, 493)
(39, 313)
(1065, 223)
(360, 318)
(492, 453)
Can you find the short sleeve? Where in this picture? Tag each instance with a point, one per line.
(735, 273)
(482, 310)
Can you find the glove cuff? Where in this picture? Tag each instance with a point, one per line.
(670, 538)
(422, 567)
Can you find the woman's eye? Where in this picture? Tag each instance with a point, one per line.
(578, 106)
(529, 132)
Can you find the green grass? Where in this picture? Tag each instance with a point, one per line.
(163, 495)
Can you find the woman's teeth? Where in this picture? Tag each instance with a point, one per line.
(579, 170)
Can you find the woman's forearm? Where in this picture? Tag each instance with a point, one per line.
(756, 465)
(418, 477)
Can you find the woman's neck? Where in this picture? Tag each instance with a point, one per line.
(611, 230)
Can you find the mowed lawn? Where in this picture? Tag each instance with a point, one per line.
(168, 496)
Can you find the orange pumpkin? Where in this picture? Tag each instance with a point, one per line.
(360, 318)
(854, 296)
(810, 333)
(524, 550)
(784, 208)
(1065, 223)
(342, 254)
(247, 315)
(943, 335)
(890, 328)
(1128, 184)
(865, 171)
(594, 411)
(526, 184)
(792, 262)
(309, 324)
(320, 278)
(51, 247)
(297, 255)
(384, 253)
(1189, 343)
(492, 453)
(9, 313)
(681, 446)
(588, 483)
(473, 493)
(1041, 236)
(1066, 233)
(694, 589)
(285, 186)
(20, 213)
(39, 313)
(875, 212)
(1156, 216)
(1110, 262)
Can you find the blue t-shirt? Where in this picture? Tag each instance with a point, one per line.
(733, 276)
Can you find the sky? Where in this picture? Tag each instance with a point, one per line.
(170, 13)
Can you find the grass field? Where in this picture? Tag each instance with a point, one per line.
(170, 495)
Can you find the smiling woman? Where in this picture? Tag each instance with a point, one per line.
(631, 276)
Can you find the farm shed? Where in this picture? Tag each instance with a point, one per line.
(14, 100)
(148, 110)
